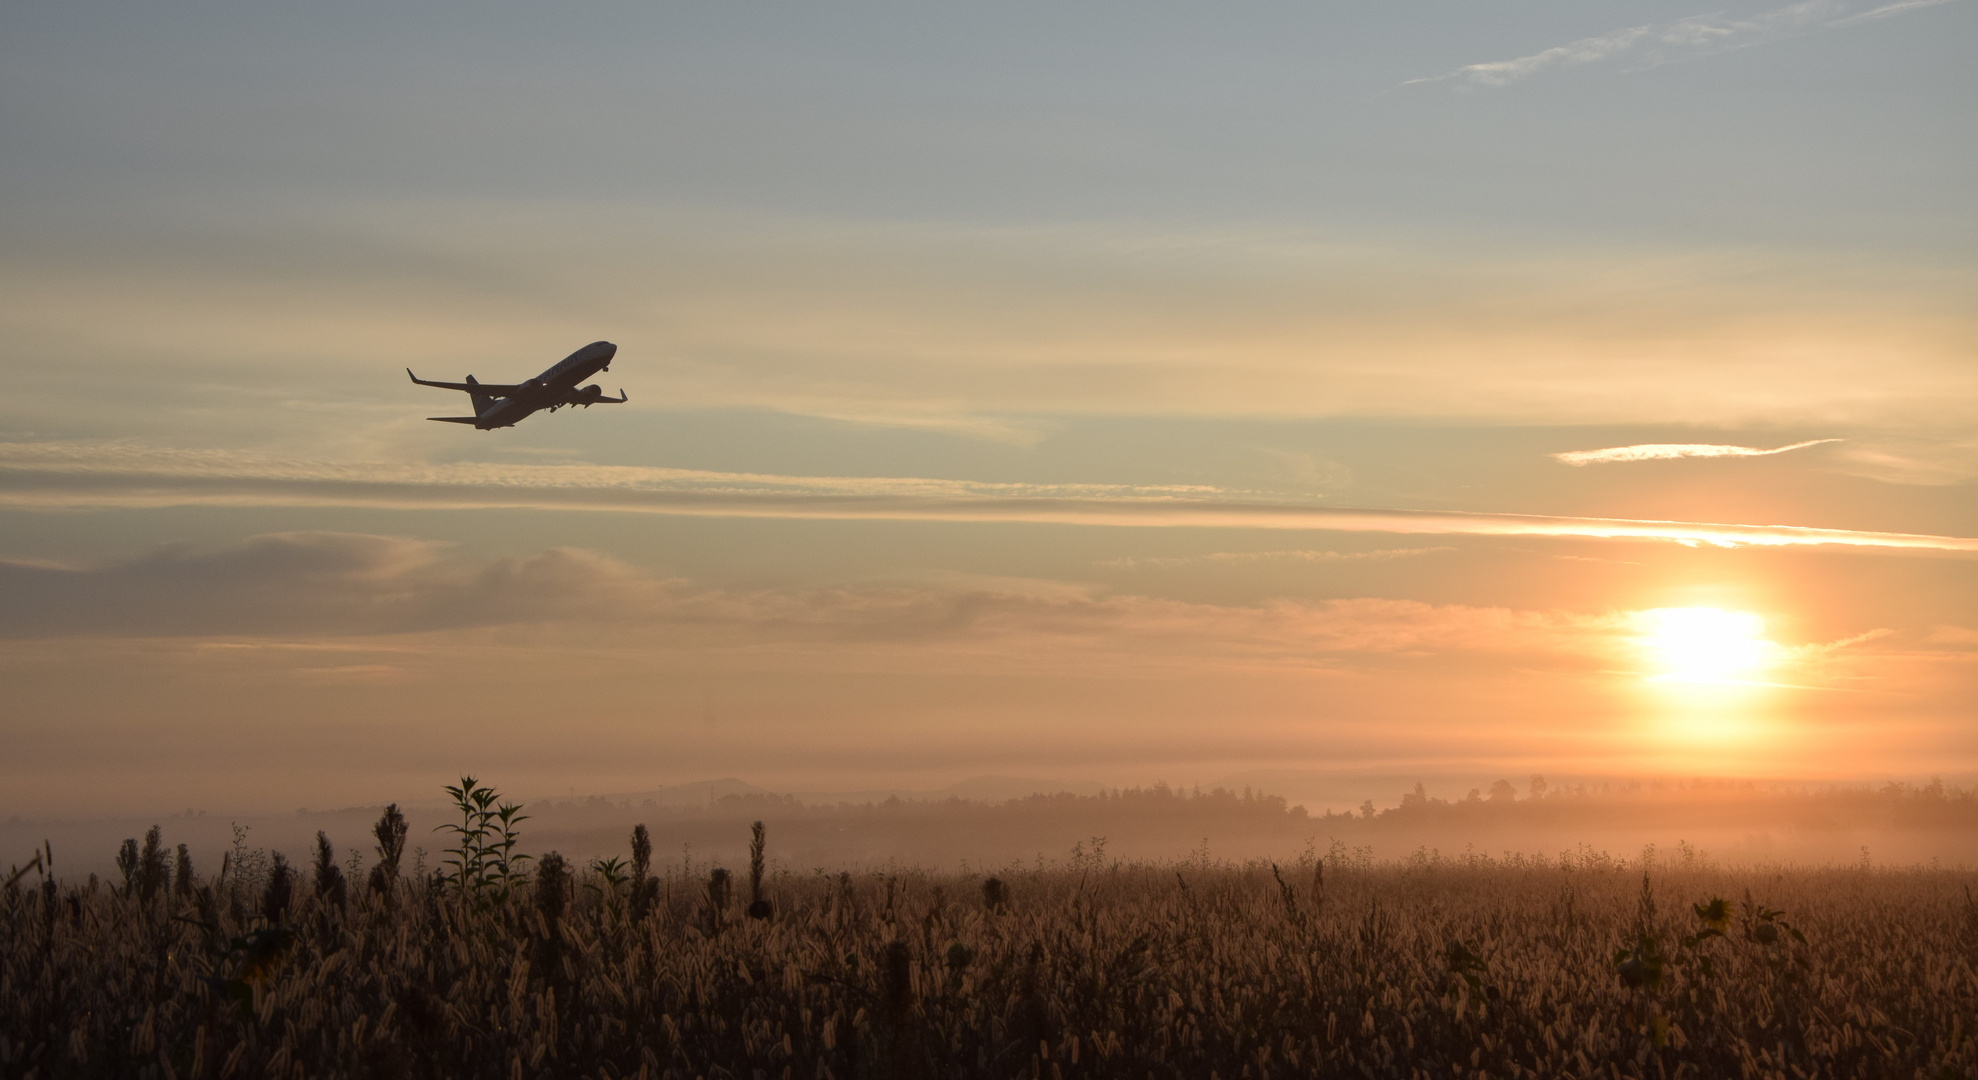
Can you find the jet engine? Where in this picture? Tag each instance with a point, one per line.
(586, 396)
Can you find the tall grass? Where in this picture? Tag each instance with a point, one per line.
(1102, 969)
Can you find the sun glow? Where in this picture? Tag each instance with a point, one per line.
(1705, 644)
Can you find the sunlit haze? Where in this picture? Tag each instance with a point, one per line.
(1309, 396)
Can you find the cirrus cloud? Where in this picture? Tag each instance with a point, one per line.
(1654, 44)
(1672, 451)
(323, 586)
(75, 476)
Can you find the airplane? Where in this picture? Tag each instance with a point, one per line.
(499, 405)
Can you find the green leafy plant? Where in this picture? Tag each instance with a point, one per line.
(1768, 926)
(1642, 966)
(613, 875)
(485, 866)
(1713, 921)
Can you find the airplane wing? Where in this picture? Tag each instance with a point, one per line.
(491, 389)
(456, 419)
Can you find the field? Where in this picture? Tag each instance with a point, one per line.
(499, 967)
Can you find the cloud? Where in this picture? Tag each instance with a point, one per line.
(87, 460)
(1276, 556)
(1954, 635)
(302, 661)
(1916, 459)
(1670, 451)
(317, 583)
(346, 608)
(1584, 51)
(78, 476)
(1665, 43)
(1887, 11)
(328, 586)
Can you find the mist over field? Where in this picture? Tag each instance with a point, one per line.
(992, 823)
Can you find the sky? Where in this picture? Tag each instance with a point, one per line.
(1103, 392)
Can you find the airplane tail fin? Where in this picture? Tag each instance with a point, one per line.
(480, 398)
(456, 419)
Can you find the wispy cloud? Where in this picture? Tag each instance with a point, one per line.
(71, 476)
(1495, 73)
(1886, 11)
(1685, 39)
(319, 585)
(1917, 458)
(87, 460)
(1670, 451)
(1300, 555)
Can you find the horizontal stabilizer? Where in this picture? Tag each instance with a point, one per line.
(455, 419)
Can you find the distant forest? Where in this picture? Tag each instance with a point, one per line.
(1162, 822)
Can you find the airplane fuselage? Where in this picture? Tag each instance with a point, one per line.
(504, 405)
(552, 389)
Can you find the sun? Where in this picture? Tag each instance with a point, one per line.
(1705, 644)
